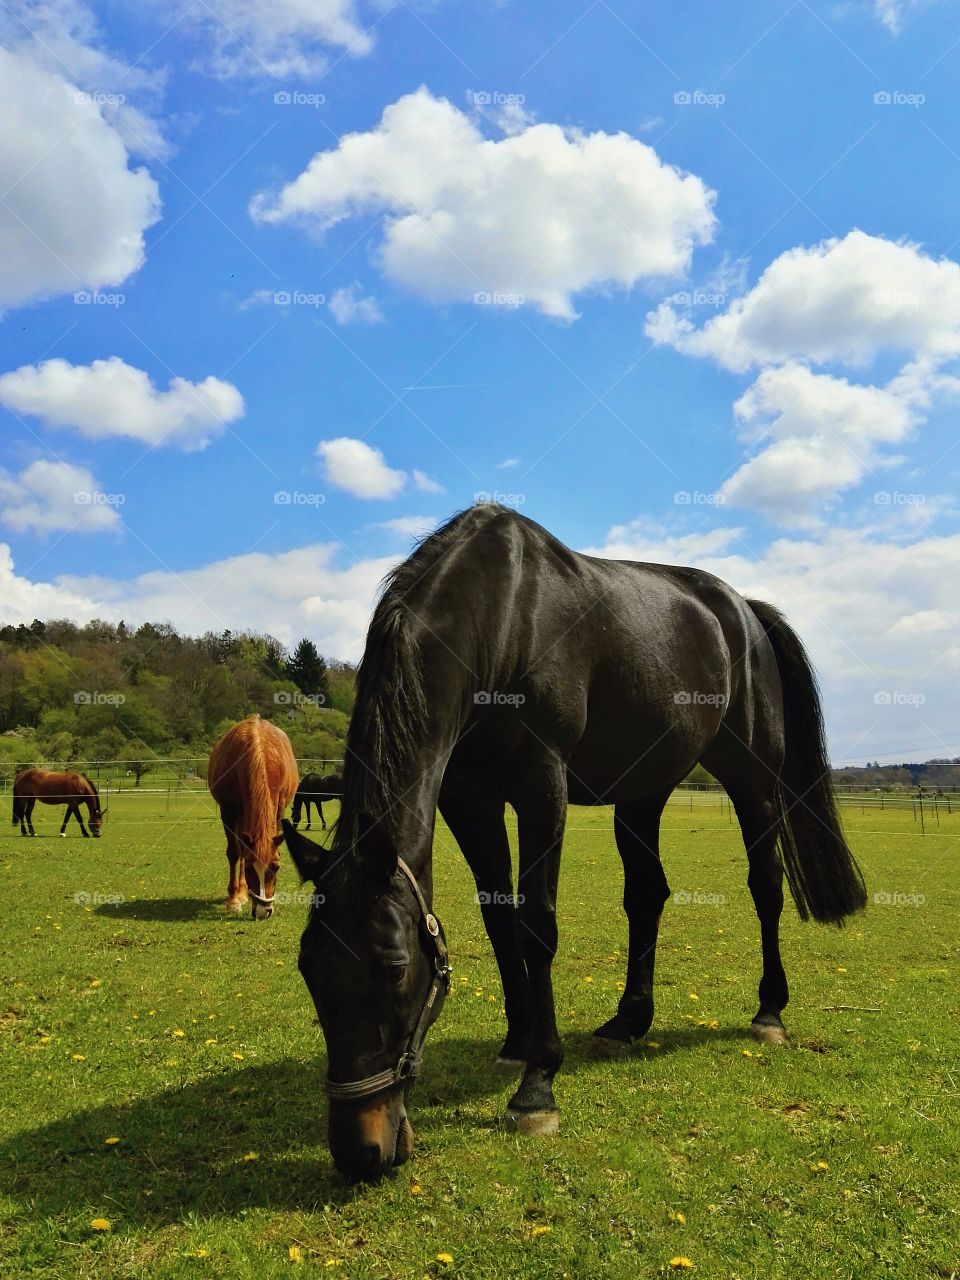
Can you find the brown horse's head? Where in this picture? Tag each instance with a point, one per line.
(261, 868)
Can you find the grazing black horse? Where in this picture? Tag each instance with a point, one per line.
(501, 666)
(314, 789)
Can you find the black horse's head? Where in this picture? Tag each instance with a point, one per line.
(369, 957)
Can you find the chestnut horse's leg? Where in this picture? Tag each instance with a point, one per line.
(237, 887)
(645, 890)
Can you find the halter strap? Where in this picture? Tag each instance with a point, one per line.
(411, 1056)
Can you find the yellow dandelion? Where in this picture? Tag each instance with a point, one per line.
(841, 969)
(588, 978)
(693, 995)
(110, 1142)
(540, 1230)
(238, 1056)
(178, 1034)
(651, 1044)
(199, 1253)
(95, 982)
(333, 1262)
(294, 1253)
(820, 1166)
(679, 1218)
(211, 1041)
(445, 1258)
(681, 1263)
(45, 1039)
(100, 1224)
(415, 1188)
(747, 1053)
(252, 1155)
(79, 1057)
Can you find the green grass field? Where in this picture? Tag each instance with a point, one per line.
(161, 1071)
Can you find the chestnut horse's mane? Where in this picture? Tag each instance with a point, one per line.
(252, 771)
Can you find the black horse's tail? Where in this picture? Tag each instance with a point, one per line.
(824, 877)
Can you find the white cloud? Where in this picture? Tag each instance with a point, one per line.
(878, 615)
(276, 38)
(507, 464)
(424, 483)
(824, 434)
(411, 526)
(47, 496)
(73, 213)
(893, 13)
(545, 213)
(350, 307)
(109, 398)
(847, 302)
(291, 594)
(62, 37)
(841, 300)
(359, 468)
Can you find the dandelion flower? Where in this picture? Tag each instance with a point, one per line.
(79, 1057)
(294, 1253)
(110, 1142)
(445, 1258)
(95, 982)
(678, 1217)
(178, 1034)
(252, 1155)
(100, 1224)
(693, 995)
(680, 1263)
(238, 1056)
(820, 1166)
(540, 1230)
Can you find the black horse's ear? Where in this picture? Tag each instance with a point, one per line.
(376, 847)
(311, 860)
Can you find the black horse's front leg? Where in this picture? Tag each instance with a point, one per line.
(478, 828)
(542, 811)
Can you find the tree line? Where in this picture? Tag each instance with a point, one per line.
(106, 691)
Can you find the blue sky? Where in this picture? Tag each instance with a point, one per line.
(725, 315)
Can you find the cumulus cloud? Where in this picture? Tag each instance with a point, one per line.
(292, 594)
(542, 214)
(62, 36)
(843, 302)
(110, 398)
(893, 13)
(73, 213)
(411, 526)
(855, 596)
(48, 496)
(349, 306)
(275, 38)
(359, 468)
(425, 484)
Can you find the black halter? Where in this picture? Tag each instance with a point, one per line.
(411, 1056)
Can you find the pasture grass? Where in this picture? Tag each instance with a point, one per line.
(188, 1035)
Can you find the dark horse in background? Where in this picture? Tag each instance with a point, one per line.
(314, 789)
(71, 789)
(502, 667)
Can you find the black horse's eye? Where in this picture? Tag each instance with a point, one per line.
(394, 974)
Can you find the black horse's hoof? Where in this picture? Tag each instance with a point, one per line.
(532, 1124)
(769, 1031)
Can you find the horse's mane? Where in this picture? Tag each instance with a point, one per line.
(390, 706)
(93, 786)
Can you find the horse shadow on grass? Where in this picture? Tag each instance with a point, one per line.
(255, 1137)
(170, 909)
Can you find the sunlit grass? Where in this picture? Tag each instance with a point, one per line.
(161, 1075)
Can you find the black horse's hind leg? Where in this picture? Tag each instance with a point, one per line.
(478, 828)
(29, 815)
(759, 823)
(323, 824)
(541, 806)
(645, 890)
(307, 807)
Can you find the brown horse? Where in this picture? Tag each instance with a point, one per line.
(71, 789)
(252, 774)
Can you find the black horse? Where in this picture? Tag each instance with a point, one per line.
(501, 666)
(314, 789)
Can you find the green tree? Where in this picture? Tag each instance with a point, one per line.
(308, 671)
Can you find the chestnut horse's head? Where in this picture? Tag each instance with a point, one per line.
(374, 960)
(261, 874)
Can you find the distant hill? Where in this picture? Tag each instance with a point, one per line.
(105, 691)
(901, 777)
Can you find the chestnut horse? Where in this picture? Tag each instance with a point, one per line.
(252, 775)
(71, 789)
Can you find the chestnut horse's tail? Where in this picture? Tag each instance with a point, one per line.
(823, 875)
(252, 770)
